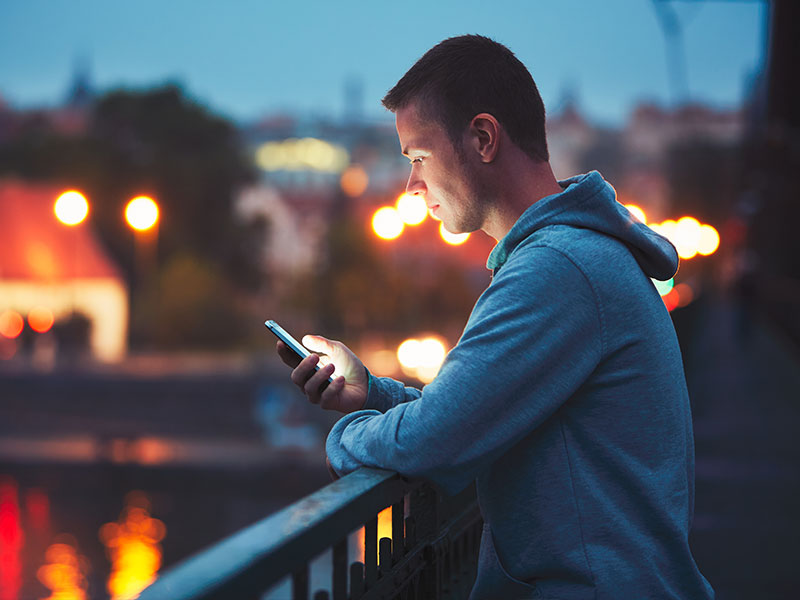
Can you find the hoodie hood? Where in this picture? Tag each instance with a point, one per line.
(590, 202)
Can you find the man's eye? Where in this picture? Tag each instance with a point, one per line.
(417, 159)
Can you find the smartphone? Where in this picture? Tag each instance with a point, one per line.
(294, 346)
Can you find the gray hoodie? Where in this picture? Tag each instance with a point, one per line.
(565, 398)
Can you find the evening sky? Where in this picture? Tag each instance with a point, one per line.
(248, 58)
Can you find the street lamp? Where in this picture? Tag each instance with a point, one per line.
(71, 208)
(142, 215)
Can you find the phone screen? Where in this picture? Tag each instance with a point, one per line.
(293, 344)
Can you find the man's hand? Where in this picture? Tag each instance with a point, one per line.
(347, 393)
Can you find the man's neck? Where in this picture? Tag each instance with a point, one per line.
(522, 184)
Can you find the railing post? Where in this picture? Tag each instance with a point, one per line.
(300, 584)
(340, 570)
(398, 535)
(430, 554)
(371, 551)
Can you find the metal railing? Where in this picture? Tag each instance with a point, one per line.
(432, 551)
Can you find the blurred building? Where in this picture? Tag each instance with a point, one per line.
(634, 156)
(53, 269)
(70, 118)
(310, 169)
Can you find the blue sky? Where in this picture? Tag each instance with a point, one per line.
(248, 58)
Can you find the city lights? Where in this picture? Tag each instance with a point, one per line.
(40, 319)
(354, 181)
(71, 208)
(421, 358)
(141, 213)
(454, 239)
(412, 209)
(689, 236)
(709, 240)
(306, 154)
(387, 223)
(637, 212)
(11, 324)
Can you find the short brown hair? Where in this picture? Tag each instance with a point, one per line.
(463, 76)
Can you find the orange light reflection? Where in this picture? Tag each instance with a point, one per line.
(65, 572)
(132, 544)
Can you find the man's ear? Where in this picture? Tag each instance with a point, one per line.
(484, 132)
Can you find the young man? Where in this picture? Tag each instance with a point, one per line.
(565, 396)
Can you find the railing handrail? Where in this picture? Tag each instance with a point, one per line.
(265, 552)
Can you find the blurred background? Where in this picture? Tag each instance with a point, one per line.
(173, 174)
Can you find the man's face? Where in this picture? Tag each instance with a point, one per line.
(440, 172)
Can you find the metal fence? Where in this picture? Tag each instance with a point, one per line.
(432, 552)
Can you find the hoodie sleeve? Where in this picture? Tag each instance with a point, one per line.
(385, 393)
(534, 336)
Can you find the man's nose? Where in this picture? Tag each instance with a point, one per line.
(415, 185)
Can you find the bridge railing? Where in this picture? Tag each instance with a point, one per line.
(431, 552)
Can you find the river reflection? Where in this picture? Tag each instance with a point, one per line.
(103, 531)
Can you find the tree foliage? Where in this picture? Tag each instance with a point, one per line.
(159, 143)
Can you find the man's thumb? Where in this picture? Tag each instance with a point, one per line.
(317, 343)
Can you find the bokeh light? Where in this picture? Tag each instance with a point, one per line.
(387, 223)
(40, 319)
(64, 573)
(132, 544)
(141, 213)
(454, 239)
(687, 237)
(637, 212)
(71, 208)
(685, 294)
(306, 154)
(11, 324)
(663, 287)
(422, 358)
(412, 209)
(12, 539)
(671, 300)
(354, 181)
(709, 240)
(408, 353)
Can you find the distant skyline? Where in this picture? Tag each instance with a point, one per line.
(251, 58)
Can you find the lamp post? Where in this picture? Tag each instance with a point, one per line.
(71, 209)
(142, 215)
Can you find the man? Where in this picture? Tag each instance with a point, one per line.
(565, 396)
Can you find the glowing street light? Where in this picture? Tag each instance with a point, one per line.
(40, 319)
(387, 223)
(637, 212)
(709, 240)
(421, 358)
(11, 324)
(454, 239)
(412, 209)
(71, 208)
(141, 213)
